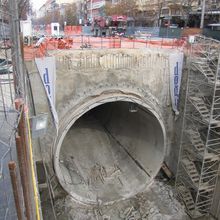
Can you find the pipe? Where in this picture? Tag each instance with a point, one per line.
(110, 152)
(22, 152)
(16, 189)
(202, 15)
(26, 159)
(23, 174)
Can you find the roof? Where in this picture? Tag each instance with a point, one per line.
(207, 12)
(215, 25)
(119, 18)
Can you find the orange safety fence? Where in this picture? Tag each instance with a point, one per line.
(115, 43)
(191, 31)
(80, 42)
(161, 42)
(31, 52)
(48, 29)
(72, 30)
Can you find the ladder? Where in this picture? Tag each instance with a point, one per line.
(204, 68)
(196, 141)
(191, 170)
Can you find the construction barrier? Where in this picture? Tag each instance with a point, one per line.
(30, 53)
(72, 30)
(48, 29)
(191, 31)
(115, 43)
(81, 42)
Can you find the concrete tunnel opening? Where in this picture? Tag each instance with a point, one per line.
(111, 152)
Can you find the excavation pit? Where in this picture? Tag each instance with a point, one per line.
(111, 152)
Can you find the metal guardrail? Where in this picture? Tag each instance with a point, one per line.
(211, 33)
(8, 122)
(89, 42)
(16, 166)
(4, 30)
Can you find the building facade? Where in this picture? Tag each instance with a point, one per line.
(52, 5)
(177, 12)
(212, 13)
(94, 8)
(47, 7)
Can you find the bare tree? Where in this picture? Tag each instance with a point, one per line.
(71, 14)
(124, 7)
(187, 7)
(24, 7)
(160, 5)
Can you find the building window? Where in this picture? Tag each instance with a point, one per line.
(165, 11)
(177, 12)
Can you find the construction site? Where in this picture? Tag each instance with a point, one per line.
(108, 128)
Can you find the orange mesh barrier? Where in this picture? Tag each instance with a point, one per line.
(81, 42)
(51, 44)
(191, 31)
(63, 44)
(31, 52)
(115, 43)
(72, 30)
(48, 29)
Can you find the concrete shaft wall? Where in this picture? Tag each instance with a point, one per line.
(89, 78)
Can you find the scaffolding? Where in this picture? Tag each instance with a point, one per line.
(199, 157)
(18, 193)
(8, 116)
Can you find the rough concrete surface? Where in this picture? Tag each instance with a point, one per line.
(92, 74)
(83, 77)
(111, 153)
(156, 203)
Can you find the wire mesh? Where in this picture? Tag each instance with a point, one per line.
(8, 116)
(42, 47)
(198, 165)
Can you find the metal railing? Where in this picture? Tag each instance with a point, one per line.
(199, 157)
(81, 42)
(18, 197)
(9, 117)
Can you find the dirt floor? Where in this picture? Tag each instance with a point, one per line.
(156, 203)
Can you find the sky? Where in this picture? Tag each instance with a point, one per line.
(37, 3)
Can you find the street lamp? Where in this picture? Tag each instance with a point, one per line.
(203, 14)
(91, 6)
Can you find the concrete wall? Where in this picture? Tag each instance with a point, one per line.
(216, 201)
(83, 75)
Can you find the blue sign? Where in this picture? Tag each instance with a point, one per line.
(176, 64)
(176, 84)
(47, 81)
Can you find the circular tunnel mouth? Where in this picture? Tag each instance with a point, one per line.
(111, 152)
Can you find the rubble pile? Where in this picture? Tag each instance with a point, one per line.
(158, 202)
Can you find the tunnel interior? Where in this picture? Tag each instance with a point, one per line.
(111, 152)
